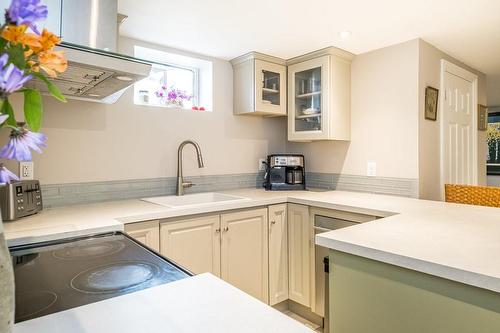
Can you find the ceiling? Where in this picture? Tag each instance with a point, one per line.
(469, 30)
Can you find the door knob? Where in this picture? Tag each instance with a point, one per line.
(226, 229)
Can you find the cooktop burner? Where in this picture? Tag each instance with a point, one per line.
(85, 251)
(36, 301)
(55, 276)
(113, 277)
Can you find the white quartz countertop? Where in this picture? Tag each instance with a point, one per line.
(201, 303)
(72, 221)
(457, 242)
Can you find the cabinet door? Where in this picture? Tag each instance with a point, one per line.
(244, 252)
(193, 243)
(147, 233)
(278, 254)
(308, 93)
(270, 88)
(299, 246)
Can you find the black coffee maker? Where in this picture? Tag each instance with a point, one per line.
(285, 172)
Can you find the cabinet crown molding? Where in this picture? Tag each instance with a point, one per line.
(331, 50)
(257, 55)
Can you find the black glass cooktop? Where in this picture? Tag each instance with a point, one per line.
(55, 276)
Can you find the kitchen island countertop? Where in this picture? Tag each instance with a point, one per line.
(201, 303)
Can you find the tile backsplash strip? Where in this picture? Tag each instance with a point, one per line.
(57, 195)
(406, 187)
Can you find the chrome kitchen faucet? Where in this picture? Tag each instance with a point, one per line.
(181, 184)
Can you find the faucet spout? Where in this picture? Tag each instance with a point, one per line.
(181, 185)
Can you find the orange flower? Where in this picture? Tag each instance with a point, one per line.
(51, 62)
(18, 35)
(47, 40)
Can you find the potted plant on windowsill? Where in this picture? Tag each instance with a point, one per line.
(25, 53)
(172, 97)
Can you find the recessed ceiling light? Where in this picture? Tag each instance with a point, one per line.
(124, 78)
(345, 34)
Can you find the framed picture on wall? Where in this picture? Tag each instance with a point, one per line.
(431, 103)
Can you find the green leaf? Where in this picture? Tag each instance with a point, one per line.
(53, 89)
(3, 43)
(7, 109)
(33, 109)
(16, 56)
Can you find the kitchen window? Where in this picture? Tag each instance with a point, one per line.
(493, 137)
(176, 81)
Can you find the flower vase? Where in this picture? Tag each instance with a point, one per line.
(176, 104)
(6, 286)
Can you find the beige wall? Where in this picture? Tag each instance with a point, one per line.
(383, 118)
(429, 131)
(96, 142)
(493, 90)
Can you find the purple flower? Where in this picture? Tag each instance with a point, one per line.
(21, 143)
(26, 12)
(6, 176)
(11, 77)
(172, 94)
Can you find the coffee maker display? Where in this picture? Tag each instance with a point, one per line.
(285, 172)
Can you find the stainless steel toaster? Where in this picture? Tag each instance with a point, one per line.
(19, 199)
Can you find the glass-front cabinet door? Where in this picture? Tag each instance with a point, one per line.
(308, 98)
(270, 88)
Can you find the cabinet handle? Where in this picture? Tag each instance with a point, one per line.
(273, 222)
(217, 230)
(226, 229)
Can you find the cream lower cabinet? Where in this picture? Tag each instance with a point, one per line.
(244, 251)
(299, 253)
(278, 254)
(145, 233)
(193, 243)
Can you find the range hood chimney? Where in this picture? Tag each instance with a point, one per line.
(89, 32)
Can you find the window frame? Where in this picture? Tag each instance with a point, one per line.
(163, 67)
(492, 169)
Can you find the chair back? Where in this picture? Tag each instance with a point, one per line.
(473, 195)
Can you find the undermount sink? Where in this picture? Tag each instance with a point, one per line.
(198, 199)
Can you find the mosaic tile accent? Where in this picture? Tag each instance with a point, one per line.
(57, 195)
(406, 187)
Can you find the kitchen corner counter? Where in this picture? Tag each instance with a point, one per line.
(201, 303)
(78, 220)
(452, 241)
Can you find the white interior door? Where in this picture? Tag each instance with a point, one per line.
(459, 147)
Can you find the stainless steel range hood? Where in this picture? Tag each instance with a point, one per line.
(89, 30)
(95, 75)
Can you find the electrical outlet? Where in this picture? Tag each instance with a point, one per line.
(262, 164)
(26, 170)
(371, 169)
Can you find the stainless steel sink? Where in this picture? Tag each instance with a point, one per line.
(198, 199)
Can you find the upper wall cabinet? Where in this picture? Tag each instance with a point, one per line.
(259, 85)
(319, 93)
